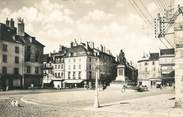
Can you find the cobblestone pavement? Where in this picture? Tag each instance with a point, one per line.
(46, 105)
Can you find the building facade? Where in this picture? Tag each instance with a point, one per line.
(167, 65)
(149, 72)
(158, 68)
(76, 65)
(14, 44)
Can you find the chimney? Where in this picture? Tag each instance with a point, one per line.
(12, 23)
(7, 22)
(87, 45)
(72, 44)
(60, 48)
(102, 49)
(20, 27)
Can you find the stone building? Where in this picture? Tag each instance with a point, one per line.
(76, 66)
(21, 56)
(167, 64)
(149, 72)
(11, 56)
(158, 68)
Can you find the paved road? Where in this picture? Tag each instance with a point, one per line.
(83, 98)
(66, 103)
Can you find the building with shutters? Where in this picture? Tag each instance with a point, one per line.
(21, 57)
(75, 66)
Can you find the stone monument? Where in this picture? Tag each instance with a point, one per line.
(121, 67)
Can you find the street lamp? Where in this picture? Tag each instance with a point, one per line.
(96, 101)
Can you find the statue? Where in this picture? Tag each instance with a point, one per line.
(121, 58)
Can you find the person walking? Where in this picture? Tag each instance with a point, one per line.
(123, 88)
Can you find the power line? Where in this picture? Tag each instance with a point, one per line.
(168, 42)
(165, 4)
(142, 13)
(160, 4)
(146, 9)
(163, 43)
(138, 12)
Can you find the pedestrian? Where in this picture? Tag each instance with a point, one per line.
(123, 88)
(160, 87)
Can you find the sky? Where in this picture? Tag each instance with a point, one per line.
(113, 23)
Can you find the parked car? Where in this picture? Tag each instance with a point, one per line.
(142, 88)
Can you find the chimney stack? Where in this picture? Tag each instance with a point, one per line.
(72, 44)
(102, 49)
(7, 22)
(20, 27)
(11, 23)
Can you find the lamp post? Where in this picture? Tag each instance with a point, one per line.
(96, 101)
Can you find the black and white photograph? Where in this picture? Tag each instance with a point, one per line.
(91, 58)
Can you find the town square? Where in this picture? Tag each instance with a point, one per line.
(91, 58)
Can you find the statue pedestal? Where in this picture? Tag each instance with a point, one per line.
(120, 73)
(120, 79)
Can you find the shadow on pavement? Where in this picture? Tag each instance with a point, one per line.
(106, 105)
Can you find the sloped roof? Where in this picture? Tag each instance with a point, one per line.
(10, 35)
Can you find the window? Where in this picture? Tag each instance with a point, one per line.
(5, 47)
(89, 59)
(145, 69)
(89, 75)
(16, 49)
(58, 66)
(16, 59)
(5, 58)
(74, 75)
(69, 75)
(62, 74)
(28, 48)
(79, 75)
(59, 75)
(62, 66)
(4, 70)
(79, 59)
(146, 63)
(74, 67)
(16, 71)
(89, 67)
(36, 70)
(62, 60)
(69, 67)
(55, 75)
(28, 69)
(79, 66)
(55, 66)
(37, 57)
(74, 60)
(153, 63)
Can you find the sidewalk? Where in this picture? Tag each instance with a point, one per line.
(153, 106)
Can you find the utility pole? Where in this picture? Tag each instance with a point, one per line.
(96, 100)
(177, 21)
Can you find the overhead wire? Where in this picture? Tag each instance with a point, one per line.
(144, 16)
(138, 12)
(142, 12)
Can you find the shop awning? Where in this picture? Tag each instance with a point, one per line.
(72, 81)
